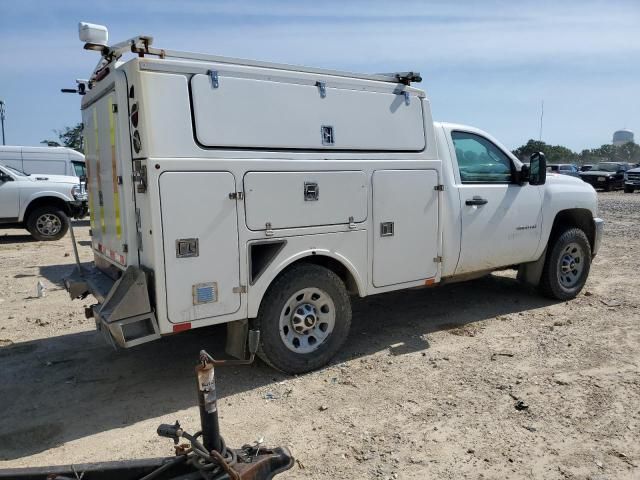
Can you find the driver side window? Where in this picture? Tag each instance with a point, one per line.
(479, 160)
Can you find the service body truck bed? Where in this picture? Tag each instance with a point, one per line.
(232, 191)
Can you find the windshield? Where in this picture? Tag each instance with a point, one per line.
(20, 173)
(80, 169)
(607, 167)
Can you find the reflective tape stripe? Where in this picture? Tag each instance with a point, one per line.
(95, 130)
(88, 185)
(114, 172)
(112, 254)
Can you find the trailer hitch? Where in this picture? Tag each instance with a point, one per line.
(204, 455)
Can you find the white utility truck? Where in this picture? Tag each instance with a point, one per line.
(264, 195)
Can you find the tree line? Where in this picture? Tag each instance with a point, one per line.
(629, 152)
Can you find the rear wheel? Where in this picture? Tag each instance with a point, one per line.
(628, 189)
(304, 319)
(48, 223)
(567, 265)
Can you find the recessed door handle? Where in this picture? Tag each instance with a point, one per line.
(477, 201)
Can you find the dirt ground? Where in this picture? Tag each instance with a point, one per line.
(425, 387)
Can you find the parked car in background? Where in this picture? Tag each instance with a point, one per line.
(564, 169)
(632, 180)
(586, 167)
(606, 175)
(40, 203)
(44, 160)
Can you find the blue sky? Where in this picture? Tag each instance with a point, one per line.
(488, 64)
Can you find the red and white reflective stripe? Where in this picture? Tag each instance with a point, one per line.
(113, 255)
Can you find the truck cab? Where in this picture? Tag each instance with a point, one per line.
(264, 196)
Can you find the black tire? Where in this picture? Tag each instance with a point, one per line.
(628, 189)
(280, 295)
(558, 251)
(48, 223)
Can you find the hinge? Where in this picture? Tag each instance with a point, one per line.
(213, 74)
(240, 289)
(236, 196)
(439, 188)
(138, 219)
(437, 259)
(114, 107)
(139, 239)
(323, 89)
(268, 230)
(352, 223)
(119, 179)
(125, 248)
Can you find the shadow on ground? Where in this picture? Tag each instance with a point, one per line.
(59, 389)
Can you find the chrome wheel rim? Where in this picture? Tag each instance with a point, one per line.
(571, 265)
(48, 225)
(307, 320)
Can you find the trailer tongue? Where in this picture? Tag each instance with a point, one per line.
(204, 455)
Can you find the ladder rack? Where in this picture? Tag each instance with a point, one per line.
(141, 45)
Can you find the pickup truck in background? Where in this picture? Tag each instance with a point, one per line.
(632, 180)
(264, 196)
(606, 175)
(40, 203)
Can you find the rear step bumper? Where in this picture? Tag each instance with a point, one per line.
(123, 312)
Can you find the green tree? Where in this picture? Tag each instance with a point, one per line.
(68, 137)
(553, 153)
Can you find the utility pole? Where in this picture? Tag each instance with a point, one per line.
(2, 112)
(541, 115)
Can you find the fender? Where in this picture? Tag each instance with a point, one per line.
(25, 202)
(563, 193)
(257, 291)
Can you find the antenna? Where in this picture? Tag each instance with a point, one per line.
(541, 115)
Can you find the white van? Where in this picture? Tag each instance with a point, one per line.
(44, 160)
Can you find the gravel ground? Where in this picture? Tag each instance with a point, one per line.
(426, 386)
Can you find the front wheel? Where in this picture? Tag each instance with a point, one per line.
(304, 319)
(567, 265)
(47, 223)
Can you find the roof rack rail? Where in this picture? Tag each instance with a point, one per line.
(141, 45)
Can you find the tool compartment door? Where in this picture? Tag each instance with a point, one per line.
(405, 228)
(258, 113)
(304, 199)
(105, 192)
(200, 238)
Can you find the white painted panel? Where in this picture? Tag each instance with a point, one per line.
(197, 205)
(408, 199)
(278, 198)
(255, 113)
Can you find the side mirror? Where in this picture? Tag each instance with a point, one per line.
(537, 169)
(5, 178)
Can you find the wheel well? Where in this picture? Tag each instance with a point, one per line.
(575, 218)
(335, 266)
(46, 202)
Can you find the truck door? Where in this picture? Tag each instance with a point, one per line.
(200, 236)
(9, 197)
(104, 166)
(500, 220)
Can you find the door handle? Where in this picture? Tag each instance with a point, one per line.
(476, 201)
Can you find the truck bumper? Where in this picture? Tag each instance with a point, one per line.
(598, 224)
(79, 208)
(123, 312)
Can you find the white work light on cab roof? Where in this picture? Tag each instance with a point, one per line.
(93, 35)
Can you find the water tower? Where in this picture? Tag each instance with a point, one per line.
(620, 137)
